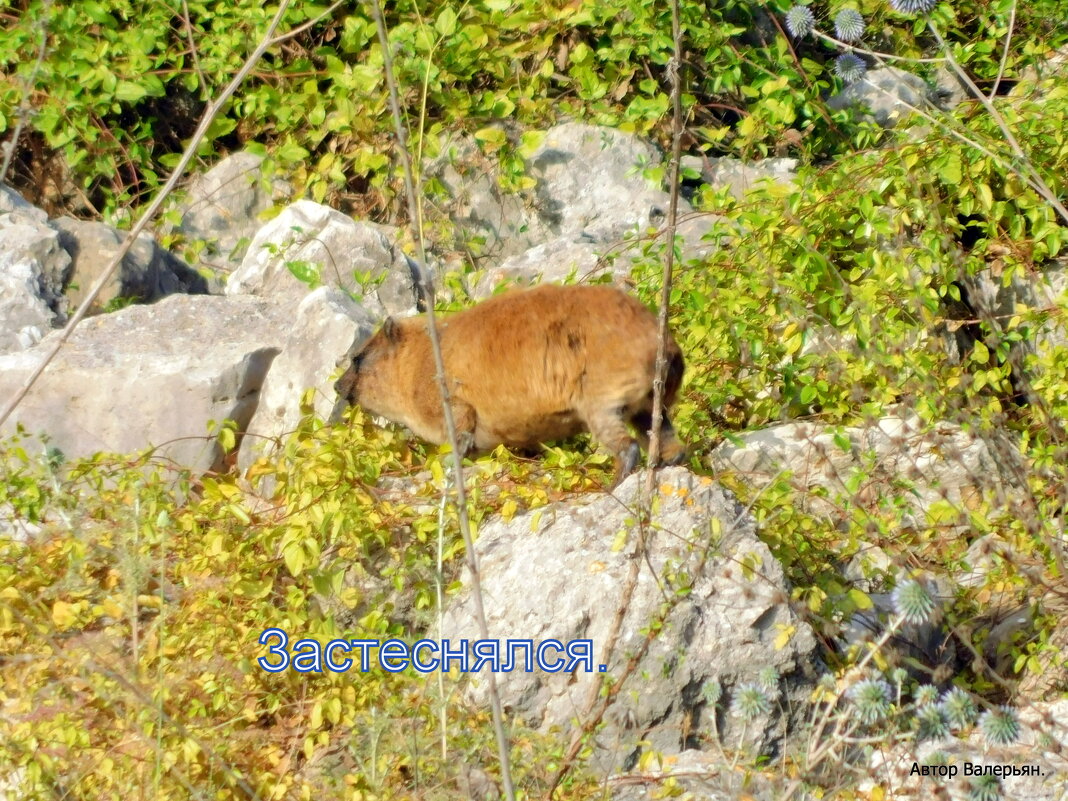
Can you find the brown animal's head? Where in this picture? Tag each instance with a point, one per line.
(357, 383)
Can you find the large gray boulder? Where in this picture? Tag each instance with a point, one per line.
(740, 176)
(494, 224)
(557, 573)
(12, 202)
(995, 299)
(335, 250)
(147, 272)
(886, 95)
(328, 328)
(892, 460)
(151, 376)
(33, 270)
(587, 214)
(222, 207)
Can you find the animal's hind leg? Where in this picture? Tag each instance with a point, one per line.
(608, 427)
(672, 450)
(465, 420)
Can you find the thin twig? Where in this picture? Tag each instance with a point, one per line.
(1026, 168)
(669, 256)
(210, 113)
(1004, 52)
(589, 717)
(427, 285)
(875, 53)
(192, 45)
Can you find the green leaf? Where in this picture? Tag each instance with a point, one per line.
(129, 92)
(445, 24)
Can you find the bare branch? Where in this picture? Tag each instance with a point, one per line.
(426, 281)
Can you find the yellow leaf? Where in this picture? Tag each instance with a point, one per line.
(63, 614)
(784, 636)
(860, 599)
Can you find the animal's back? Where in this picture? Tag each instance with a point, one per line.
(535, 362)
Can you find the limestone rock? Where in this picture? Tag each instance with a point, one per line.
(888, 94)
(899, 458)
(151, 375)
(337, 249)
(33, 270)
(223, 206)
(147, 272)
(557, 573)
(329, 327)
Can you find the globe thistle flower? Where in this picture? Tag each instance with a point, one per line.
(768, 678)
(800, 21)
(913, 6)
(750, 702)
(871, 699)
(848, 25)
(849, 67)
(933, 722)
(912, 601)
(959, 708)
(926, 694)
(711, 692)
(984, 788)
(1000, 726)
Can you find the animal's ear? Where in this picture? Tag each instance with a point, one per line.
(390, 329)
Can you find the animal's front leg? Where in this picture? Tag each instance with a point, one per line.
(608, 427)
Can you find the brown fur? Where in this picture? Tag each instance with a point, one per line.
(525, 367)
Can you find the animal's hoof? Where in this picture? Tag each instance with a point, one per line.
(630, 460)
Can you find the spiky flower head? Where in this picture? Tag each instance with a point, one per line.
(933, 722)
(871, 699)
(848, 25)
(1000, 726)
(959, 707)
(898, 675)
(800, 21)
(913, 602)
(750, 702)
(850, 67)
(984, 788)
(913, 6)
(768, 678)
(926, 694)
(712, 691)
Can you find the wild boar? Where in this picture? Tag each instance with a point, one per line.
(525, 367)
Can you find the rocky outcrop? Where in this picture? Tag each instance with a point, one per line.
(1041, 747)
(326, 248)
(151, 376)
(147, 272)
(886, 95)
(893, 460)
(740, 176)
(557, 573)
(589, 201)
(328, 328)
(222, 208)
(33, 270)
